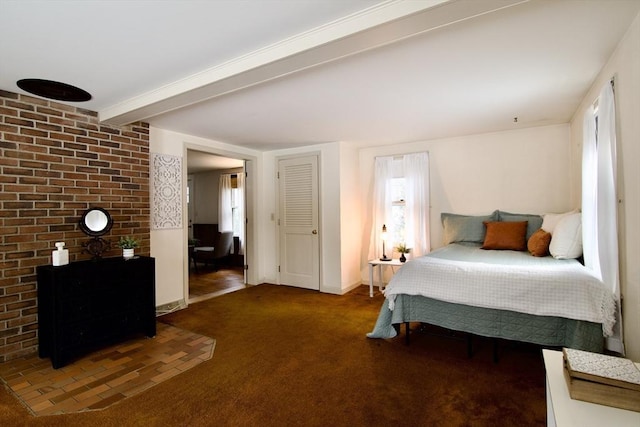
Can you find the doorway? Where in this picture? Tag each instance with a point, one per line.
(215, 262)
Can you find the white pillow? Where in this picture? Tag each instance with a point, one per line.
(551, 220)
(566, 240)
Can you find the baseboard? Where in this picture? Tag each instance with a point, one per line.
(170, 307)
(351, 287)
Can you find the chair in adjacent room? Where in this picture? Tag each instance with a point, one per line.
(215, 255)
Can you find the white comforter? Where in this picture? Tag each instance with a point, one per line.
(544, 287)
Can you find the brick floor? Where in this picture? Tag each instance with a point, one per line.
(105, 377)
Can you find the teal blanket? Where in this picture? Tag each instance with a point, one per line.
(543, 330)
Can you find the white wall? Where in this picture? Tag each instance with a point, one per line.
(625, 66)
(169, 247)
(166, 245)
(350, 216)
(205, 195)
(523, 171)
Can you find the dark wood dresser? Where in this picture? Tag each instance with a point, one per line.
(86, 305)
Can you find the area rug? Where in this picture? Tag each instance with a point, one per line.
(105, 377)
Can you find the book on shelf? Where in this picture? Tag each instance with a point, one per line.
(603, 379)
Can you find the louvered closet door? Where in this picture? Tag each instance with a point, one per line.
(298, 212)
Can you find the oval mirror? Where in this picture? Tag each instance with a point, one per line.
(96, 222)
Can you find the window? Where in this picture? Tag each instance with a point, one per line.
(397, 231)
(401, 202)
(236, 211)
(599, 200)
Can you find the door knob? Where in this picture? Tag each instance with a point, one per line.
(314, 232)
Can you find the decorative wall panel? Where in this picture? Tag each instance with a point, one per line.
(166, 191)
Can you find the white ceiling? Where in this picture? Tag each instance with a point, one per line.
(285, 73)
(199, 161)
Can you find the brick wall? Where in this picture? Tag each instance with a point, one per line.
(56, 161)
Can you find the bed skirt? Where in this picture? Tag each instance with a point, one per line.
(543, 330)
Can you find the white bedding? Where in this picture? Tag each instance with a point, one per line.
(507, 280)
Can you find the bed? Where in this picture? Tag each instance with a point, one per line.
(500, 293)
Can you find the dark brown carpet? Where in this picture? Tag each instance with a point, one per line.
(287, 356)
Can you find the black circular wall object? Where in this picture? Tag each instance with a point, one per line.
(54, 90)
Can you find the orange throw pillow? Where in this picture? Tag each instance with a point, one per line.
(511, 235)
(538, 244)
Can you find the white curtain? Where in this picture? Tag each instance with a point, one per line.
(239, 202)
(416, 173)
(600, 202)
(415, 169)
(225, 221)
(383, 173)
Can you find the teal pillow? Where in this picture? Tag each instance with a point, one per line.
(534, 222)
(465, 228)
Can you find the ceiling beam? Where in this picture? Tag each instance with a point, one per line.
(374, 27)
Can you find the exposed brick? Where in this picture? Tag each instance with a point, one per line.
(32, 149)
(48, 158)
(8, 111)
(33, 100)
(8, 95)
(48, 127)
(17, 205)
(33, 116)
(62, 152)
(20, 289)
(5, 161)
(21, 337)
(20, 305)
(8, 145)
(20, 105)
(62, 121)
(34, 132)
(18, 122)
(49, 111)
(86, 155)
(88, 126)
(8, 196)
(61, 136)
(75, 146)
(33, 165)
(75, 131)
(32, 180)
(17, 171)
(18, 138)
(109, 144)
(56, 161)
(88, 141)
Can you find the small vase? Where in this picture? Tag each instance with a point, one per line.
(127, 253)
(403, 258)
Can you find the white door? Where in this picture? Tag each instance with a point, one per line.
(298, 220)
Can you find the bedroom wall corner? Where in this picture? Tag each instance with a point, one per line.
(624, 66)
(350, 217)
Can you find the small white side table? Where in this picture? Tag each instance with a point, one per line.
(377, 263)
